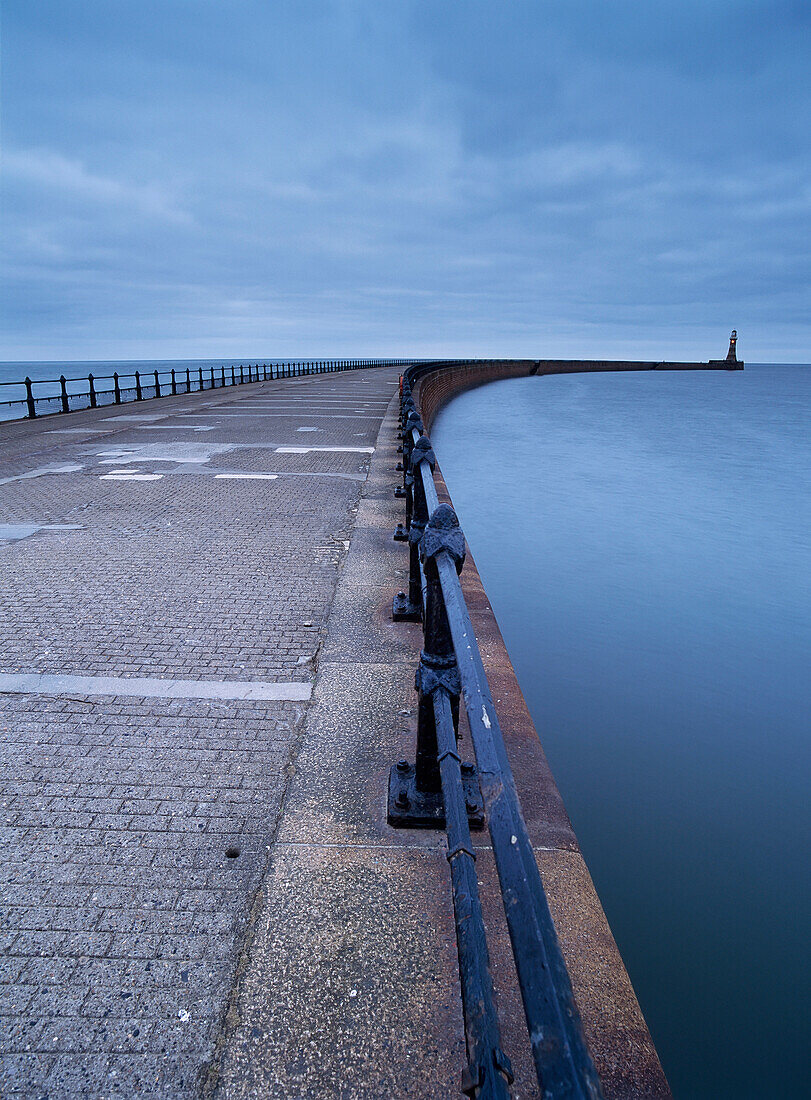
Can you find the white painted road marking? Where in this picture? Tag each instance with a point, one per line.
(130, 477)
(306, 450)
(247, 477)
(34, 683)
(175, 427)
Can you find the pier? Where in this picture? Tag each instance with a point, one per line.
(203, 692)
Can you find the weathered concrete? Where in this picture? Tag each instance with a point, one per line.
(143, 955)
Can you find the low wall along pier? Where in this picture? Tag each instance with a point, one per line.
(242, 855)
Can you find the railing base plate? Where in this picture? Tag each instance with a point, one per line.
(400, 533)
(403, 610)
(400, 491)
(409, 808)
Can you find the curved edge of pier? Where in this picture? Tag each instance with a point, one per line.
(450, 379)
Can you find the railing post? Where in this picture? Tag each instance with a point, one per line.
(437, 667)
(407, 606)
(174, 382)
(188, 381)
(64, 388)
(200, 376)
(157, 384)
(222, 377)
(212, 378)
(29, 397)
(233, 376)
(116, 388)
(413, 421)
(91, 390)
(138, 395)
(241, 374)
(415, 794)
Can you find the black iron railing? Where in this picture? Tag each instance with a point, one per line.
(439, 790)
(33, 396)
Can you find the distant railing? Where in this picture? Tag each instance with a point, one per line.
(88, 392)
(439, 790)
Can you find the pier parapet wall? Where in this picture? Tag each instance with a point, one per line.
(437, 385)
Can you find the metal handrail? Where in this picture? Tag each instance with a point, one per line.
(430, 792)
(174, 380)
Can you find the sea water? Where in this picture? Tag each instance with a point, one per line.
(645, 540)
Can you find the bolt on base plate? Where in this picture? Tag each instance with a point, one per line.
(400, 491)
(409, 808)
(400, 533)
(404, 611)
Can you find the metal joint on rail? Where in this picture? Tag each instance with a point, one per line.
(443, 533)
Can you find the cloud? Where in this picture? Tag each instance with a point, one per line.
(415, 176)
(67, 178)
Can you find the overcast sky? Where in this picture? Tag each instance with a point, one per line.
(185, 178)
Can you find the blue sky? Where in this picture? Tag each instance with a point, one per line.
(191, 178)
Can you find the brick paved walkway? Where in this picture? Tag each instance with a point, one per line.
(194, 539)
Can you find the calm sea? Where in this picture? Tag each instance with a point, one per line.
(645, 540)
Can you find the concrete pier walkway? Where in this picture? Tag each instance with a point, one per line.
(201, 694)
(167, 572)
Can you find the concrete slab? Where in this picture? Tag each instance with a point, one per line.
(361, 722)
(350, 989)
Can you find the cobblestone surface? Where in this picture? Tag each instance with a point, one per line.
(135, 832)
